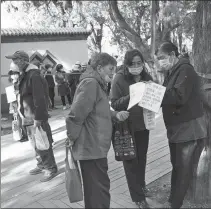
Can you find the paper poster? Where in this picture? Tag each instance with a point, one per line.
(10, 92)
(136, 93)
(153, 96)
(149, 119)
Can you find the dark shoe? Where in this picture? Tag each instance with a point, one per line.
(35, 171)
(48, 176)
(143, 204)
(146, 192)
(24, 139)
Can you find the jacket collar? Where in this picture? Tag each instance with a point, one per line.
(90, 73)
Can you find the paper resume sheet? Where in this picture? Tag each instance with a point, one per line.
(136, 93)
(147, 95)
(149, 119)
(10, 92)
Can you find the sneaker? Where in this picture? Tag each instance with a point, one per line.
(35, 171)
(64, 107)
(143, 204)
(24, 139)
(48, 176)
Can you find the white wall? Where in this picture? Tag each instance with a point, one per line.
(68, 52)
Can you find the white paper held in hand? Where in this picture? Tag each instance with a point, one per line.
(10, 92)
(136, 93)
(153, 96)
(149, 119)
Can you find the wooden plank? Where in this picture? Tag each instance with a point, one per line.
(72, 205)
(59, 204)
(47, 204)
(34, 205)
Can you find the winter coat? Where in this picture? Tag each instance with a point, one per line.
(73, 81)
(89, 123)
(50, 80)
(63, 88)
(32, 92)
(120, 96)
(181, 102)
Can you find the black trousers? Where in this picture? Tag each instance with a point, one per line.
(45, 158)
(182, 170)
(69, 99)
(51, 95)
(96, 183)
(135, 169)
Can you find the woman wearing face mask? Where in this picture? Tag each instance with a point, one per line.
(131, 72)
(182, 113)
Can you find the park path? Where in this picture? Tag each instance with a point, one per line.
(21, 190)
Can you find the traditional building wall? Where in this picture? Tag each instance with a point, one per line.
(67, 48)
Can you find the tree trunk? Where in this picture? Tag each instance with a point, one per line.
(130, 33)
(202, 34)
(201, 55)
(153, 27)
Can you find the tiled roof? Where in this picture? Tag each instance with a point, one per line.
(31, 32)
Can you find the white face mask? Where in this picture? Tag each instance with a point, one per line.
(136, 70)
(165, 64)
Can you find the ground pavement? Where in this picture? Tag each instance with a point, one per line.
(21, 190)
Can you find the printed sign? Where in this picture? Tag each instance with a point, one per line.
(10, 92)
(149, 119)
(153, 96)
(147, 95)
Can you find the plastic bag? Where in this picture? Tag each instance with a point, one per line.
(16, 129)
(72, 178)
(41, 139)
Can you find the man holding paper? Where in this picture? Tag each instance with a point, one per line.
(133, 72)
(183, 117)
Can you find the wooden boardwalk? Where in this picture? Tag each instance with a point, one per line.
(21, 190)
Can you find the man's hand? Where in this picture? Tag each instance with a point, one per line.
(122, 116)
(37, 123)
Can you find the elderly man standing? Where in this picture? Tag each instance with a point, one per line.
(34, 111)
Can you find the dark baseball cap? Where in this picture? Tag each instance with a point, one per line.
(20, 55)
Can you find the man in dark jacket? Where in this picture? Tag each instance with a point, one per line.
(183, 117)
(73, 78)
(33, 108)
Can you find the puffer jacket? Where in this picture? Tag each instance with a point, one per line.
(32, 92)
(120, 96)
(89, 123)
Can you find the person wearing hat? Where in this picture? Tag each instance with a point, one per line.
(73, 78)
(34, 111)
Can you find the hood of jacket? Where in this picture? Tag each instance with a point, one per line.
(90, 73)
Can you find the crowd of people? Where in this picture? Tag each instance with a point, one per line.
(90, 121)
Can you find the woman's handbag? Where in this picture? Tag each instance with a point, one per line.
(72, 178)
(123, 141)
(41, 139)
(16, 130)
